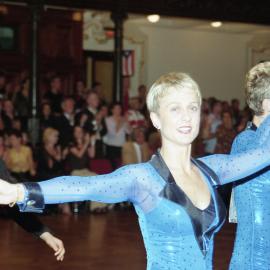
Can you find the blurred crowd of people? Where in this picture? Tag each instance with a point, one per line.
(82, 134)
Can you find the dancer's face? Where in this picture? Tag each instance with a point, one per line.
(178, 117)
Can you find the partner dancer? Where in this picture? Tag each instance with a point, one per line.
(252, 242)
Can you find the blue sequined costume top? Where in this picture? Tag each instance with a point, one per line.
(252, 242)
(176, 234)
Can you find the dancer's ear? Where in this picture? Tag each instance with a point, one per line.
(155, 120)
(266, 106)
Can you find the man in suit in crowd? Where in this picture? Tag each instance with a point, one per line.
(90, 119)
(66, 121)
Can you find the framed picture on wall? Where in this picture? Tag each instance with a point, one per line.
(8, 38)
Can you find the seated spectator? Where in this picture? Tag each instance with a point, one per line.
(93, 122)
(54, 95)
(66, 121)
(118, 128)
(80, 151)
(135, 117)
(136, 150)
(50, 155)
(46, 119)
(80, 95)
(19, 158)
(225, 134)
(8, 114)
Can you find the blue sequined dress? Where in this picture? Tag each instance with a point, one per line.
(177, 235)
(251, 195)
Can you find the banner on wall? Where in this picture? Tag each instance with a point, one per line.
(128, 63)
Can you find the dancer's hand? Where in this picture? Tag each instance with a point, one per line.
(10, 193)
(55, 243)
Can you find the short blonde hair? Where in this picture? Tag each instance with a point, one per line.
(47, 133)
(165, 84)
(258, 87)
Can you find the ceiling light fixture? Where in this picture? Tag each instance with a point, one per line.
(154, 18)
(216, 24)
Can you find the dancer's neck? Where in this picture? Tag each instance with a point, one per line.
(176, 157)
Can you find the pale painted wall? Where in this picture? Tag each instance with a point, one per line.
(217, 61)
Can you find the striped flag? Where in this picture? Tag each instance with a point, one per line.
(128, 65)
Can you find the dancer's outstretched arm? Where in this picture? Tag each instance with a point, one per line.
(240, 164)
(110, 188)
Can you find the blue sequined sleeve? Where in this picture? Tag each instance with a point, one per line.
(110, 188)
(240, 164)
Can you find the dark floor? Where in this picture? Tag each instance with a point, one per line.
(106, 241)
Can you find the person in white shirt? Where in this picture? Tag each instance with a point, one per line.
(117, 129)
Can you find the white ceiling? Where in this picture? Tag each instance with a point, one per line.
(189, 24)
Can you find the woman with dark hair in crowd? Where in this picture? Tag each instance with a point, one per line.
(117, 129)
(46, 119)
(81, 150)
(80, 95)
